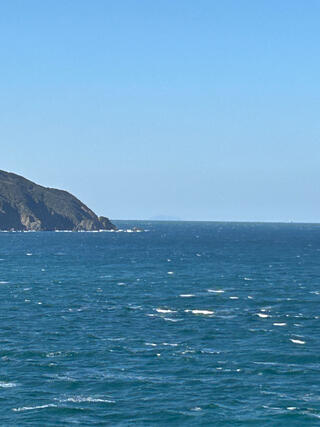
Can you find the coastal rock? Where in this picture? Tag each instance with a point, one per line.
(26, 206)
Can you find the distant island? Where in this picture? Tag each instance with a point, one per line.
(26, 206)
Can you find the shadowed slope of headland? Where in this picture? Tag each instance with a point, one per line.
(27, 206)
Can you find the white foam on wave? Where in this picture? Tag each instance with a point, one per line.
(171, 345)
(151, 344)
(164, 310)
(4, 384)
(188, 351)
(297, 341)
(247, 278)
(280, 324)
(233, 297)
(82, 399)
(3, 282)
(216, 291)
(311, 414)
(30, 408)
(263, 315)
(170, 272)
(135, 307)
(29, 254)
(204, 312)
(187, 295)
(291, 408)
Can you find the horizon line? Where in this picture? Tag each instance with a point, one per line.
(221, 221)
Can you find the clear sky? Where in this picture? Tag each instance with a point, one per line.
(202, 110)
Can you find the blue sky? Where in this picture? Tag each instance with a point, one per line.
(202, 110)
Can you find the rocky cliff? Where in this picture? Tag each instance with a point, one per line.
(27, 206)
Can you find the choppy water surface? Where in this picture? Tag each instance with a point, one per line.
(186, 324)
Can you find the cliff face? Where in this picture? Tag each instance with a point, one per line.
(27, 206)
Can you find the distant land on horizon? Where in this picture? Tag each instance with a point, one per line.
(26, 206)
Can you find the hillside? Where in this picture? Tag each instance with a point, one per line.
(27, 206)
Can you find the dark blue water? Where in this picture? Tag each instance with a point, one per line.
(186, 324)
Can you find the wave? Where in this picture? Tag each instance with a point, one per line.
(163, 310)
(82, 399)
(7, 385)
(31, 408)
(204, 312)
(297, 341)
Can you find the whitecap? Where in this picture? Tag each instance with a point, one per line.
(247, 278)
(311, 414)
(297, 341)
(3, 282)
(29, 254)
(280, 324)
(216, 291)
(30, 408)
(170, 272)
(162, 310)
(171, 320)
(81, 399)
(7, 385)
(291, 408)
(263, 315)
(233, 297)
(187, 295)
(205, 312)
(151, 344)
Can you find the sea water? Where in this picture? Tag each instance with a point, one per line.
(186, 323)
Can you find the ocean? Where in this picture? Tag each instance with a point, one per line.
(185, 323)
